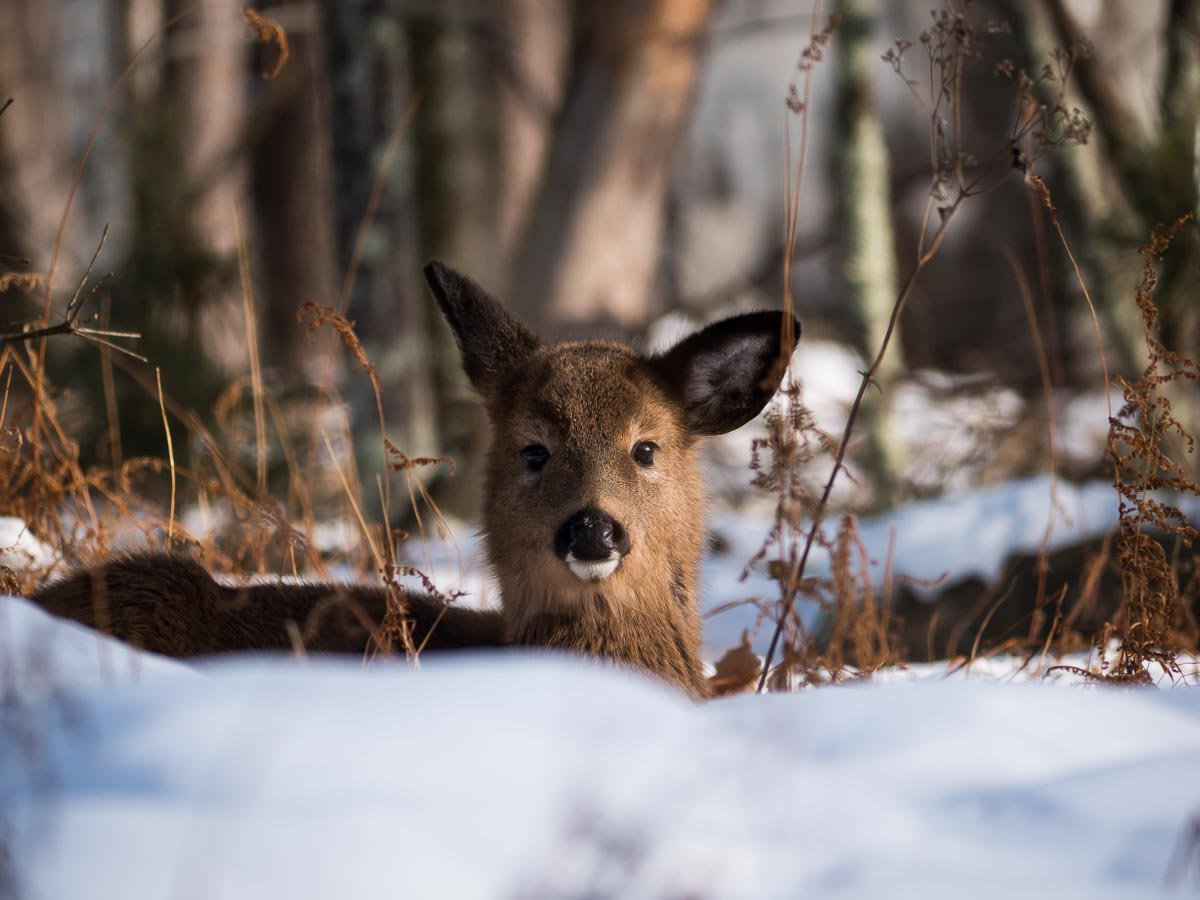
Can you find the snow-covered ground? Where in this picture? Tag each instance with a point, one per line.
(531, 776)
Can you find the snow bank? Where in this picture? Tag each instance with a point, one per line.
(61, 655)
(510, 776)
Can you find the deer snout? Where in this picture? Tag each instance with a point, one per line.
(592, 544)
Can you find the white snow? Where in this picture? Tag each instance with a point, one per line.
(19, 549)
(533, 776)
(37, 648)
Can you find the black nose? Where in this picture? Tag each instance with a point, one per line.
(591, 534)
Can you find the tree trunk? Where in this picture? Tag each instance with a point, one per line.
(1081, 192)
(36, 146)
(592, 248)
(867, 241)
(293, 193)
(456, 193)
(1156, 172)
(530, 62)
(205, 79)
(372, 95)
(1177, 151)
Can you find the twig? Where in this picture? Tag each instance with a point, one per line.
(1039, 349)
(170, 456)
(256, 378)
(70, 323)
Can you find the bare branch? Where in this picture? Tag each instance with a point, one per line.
(70, 323)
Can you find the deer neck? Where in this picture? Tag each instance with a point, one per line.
(651, 624)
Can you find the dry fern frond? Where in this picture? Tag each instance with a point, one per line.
(22, 281)
(1151, 617)
(314, 315)
(402, 462)
(268, 31)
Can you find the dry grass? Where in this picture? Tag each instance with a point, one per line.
(212, 493)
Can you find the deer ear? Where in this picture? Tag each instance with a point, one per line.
(726, 373)
(489, 338)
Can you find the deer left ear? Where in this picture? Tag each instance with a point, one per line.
(490, 339)
(726, 373)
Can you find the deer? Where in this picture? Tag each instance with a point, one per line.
(592, 517)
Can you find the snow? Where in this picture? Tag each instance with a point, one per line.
(513, 776)
(57, 654)
(19, 549)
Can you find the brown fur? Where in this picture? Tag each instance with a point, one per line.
(172, 605)
(589, 404)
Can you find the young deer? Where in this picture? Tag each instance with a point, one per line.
(592, 513)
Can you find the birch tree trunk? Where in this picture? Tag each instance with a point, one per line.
(867, 240)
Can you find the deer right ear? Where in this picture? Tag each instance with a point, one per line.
(726, 373)
(489, 338)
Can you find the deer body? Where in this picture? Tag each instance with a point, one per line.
(592, 513)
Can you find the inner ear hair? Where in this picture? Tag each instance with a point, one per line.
(490, 339)
(726, 373)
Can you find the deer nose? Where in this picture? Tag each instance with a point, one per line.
(591, 534)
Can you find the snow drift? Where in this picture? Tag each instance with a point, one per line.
(518, 775)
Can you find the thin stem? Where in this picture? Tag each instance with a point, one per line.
(868, 378)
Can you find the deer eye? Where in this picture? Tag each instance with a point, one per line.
(643, 453)
(535, 457)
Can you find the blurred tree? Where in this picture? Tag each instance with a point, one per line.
(166, 281)
(1077, 183)
(35, 154)
(530, 53)
(865, 234)
(372, 98)
(1156, 170)
(591, 250)
(455, 135)
(291, 161)
(205, 93)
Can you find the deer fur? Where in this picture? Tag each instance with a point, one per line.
(594, 448)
